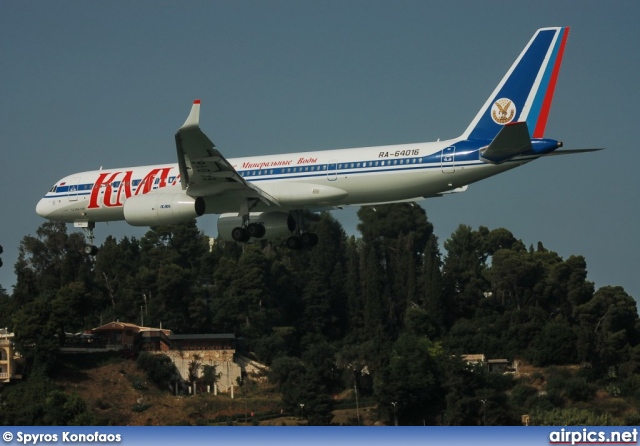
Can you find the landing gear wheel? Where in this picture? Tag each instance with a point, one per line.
(294, 243)
(87, 227)
(309, 240)
(256, 230)
(240, 234)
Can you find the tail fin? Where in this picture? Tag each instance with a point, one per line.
(526, 91)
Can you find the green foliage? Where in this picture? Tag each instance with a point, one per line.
(562, 384)
(37, 401)
(555, 344)
(475, 396)
(158, 368)
(572, 417)
(384, 312)
(6, 308)
(64, 410)
(521, 394)
(140, 407)
(209, 375)
(413, 380)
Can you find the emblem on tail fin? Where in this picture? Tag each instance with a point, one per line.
(503, 111)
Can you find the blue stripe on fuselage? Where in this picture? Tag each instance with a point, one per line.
(465, 152)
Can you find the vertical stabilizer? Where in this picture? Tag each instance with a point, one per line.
(526, 91)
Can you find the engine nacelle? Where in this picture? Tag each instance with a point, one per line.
(161, 209)
(277, 224)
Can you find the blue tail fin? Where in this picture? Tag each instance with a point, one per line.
(526, 91)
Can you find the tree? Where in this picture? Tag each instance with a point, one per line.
(413, 380)
(554, 345)
(514, 276)
(38, 335)
(49, 261)
(609, 328)
(432, 293)
(462, 271)
(300, 384)
(209, 375)
(159, 369)
(117, 265)
(390, 221)
(475, 396)
(6, 308)
(72, 307)
(323, 287)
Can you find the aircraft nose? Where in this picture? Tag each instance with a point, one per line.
(42, 208)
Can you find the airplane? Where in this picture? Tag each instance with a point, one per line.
(260, 197)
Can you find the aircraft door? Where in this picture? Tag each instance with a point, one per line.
(73, 189)
(332, 170)
(448, 159)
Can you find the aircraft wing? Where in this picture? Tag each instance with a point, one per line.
(204, 171)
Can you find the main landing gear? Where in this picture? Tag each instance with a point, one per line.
(306, 240)
(87, 227)
(247, 230)
(300, 238)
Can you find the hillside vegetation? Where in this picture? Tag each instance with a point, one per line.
(385, 313)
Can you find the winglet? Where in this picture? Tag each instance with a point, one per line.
(193, 120)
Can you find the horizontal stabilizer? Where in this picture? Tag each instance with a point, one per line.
(572, 151)
(511, 141)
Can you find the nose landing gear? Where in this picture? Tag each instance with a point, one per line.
(87, 227)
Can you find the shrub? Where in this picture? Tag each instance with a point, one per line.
(158, 368)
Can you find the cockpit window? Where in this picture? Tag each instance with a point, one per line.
(53, 189)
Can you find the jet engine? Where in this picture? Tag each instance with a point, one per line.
(161, 209)
(276, 224)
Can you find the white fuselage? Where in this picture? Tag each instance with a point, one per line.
(508, 130)
(370, 175)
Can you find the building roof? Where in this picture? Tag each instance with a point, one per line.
(190, 337)
(471, 358)
(117, 326)
(154, 330)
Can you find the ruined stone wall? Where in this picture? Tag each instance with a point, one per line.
(223, 360)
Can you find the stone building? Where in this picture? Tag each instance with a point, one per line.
(10, 361)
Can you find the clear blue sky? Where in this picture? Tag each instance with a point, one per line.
(89, 84)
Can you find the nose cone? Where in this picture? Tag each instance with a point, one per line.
(42, 208)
